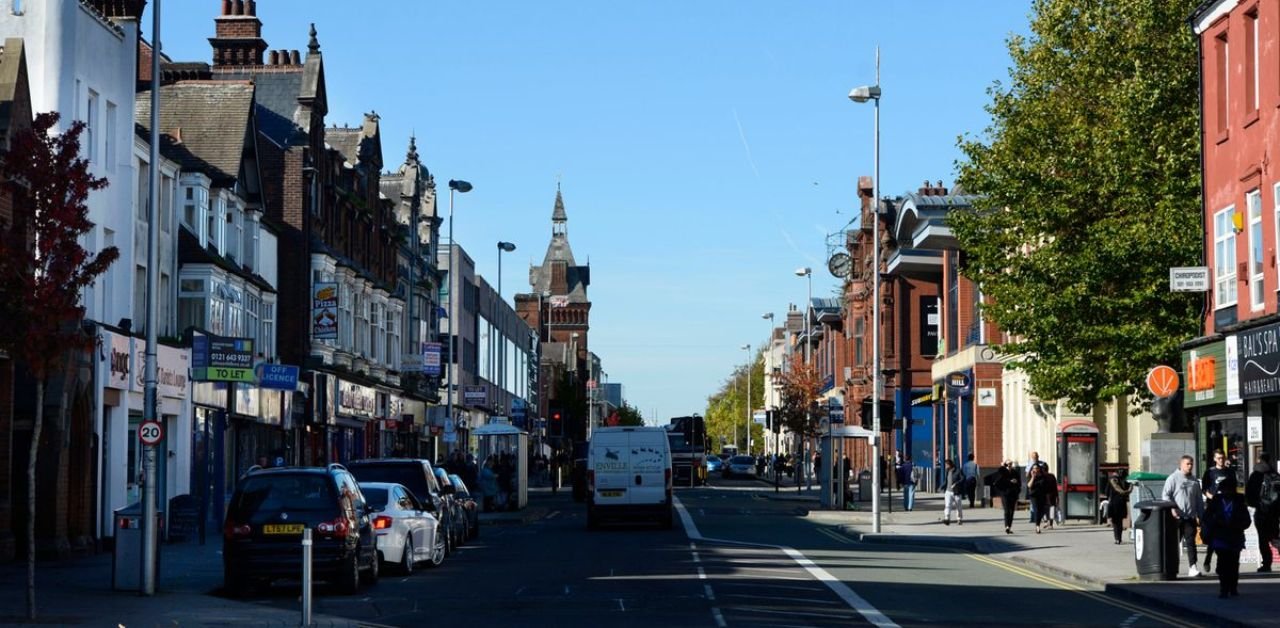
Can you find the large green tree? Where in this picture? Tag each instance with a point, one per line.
(726, 412)
(1089, 190)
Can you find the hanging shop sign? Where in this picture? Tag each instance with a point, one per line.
(1259, 355)
(278, 376)
(324, 311)
(1206, 374)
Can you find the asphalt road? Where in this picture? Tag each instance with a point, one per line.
(736, 558)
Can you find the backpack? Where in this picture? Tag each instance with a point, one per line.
(1269, 492)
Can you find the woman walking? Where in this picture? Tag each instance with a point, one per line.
(1224, 523)
(1038, 490)
(1008, 485)
(1118, 504)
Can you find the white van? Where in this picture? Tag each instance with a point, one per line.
(629, 474)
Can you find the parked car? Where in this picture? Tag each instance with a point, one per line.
(714, 464)
(629, 474)
(469, 506)
(457, 515)
(407, 533)
(744, 466)
(415, 474)
(262, 531)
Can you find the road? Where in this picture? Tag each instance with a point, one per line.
(739, 558)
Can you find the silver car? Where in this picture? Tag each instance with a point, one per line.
(740, 465)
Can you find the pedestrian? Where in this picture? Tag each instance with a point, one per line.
(907, 478)
(1008, 485)
(1183, 489)
(1038, 495)
(1209, 483)
(1118, 503)
(1053, 514)
(1262, 492)
(1225, 520)
(970, 470)
(488, 484)
(1033, 461)
(954, 483)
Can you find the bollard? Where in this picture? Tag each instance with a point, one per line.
(306, 577)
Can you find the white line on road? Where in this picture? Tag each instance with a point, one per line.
(715, 612)
(553, 514)
(855, 601)
(622, 607)
(711, 595)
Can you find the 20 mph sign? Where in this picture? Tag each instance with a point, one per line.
(151, 433)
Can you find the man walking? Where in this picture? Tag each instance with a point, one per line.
(970, 471)
(1183, 489)
(906, 477)
(953, 480)
(1262, 492)
(1034, 461)
(1210, 483)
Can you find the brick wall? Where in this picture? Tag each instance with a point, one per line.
(988, 424)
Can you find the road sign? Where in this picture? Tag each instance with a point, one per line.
(220, 374)
(1162, 381)
(1189, 279)
(151, 433)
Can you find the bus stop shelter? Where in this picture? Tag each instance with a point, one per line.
(498, 439)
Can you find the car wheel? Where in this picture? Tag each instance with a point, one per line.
(438, 549)
(349, 578)
(375, 569)
(406, 560)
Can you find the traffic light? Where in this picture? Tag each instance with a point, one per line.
(556, 426)
(886, 414)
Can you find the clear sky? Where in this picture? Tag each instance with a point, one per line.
(705, 148)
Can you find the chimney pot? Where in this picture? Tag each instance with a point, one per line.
(251, 6)
(295, 57)
(274, 58)
(237, 7)
(226, 7)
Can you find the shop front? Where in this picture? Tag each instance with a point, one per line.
(1213, 403)
(1257, 355)
(353, 423)
(210, 486)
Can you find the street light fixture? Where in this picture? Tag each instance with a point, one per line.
(461, 187)
(503, 247)
(747, 348)
(807, 273)
(861, 95)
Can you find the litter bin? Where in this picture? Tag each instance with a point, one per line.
(1145, 486)
(126, 560)
(864, 486)
(1155, 543)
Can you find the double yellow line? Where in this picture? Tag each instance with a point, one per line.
(1069, 586)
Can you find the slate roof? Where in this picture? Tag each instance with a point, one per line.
(576, 277)
(190, 252)
(277, 99)
(346, 141)
(15, 95)
(203, 125)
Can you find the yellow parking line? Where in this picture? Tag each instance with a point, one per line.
(1067, 586)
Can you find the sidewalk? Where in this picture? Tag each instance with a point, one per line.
(77, 591)
(1083, 552)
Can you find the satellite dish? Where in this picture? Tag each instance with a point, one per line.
(840, 264)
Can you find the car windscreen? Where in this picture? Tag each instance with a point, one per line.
(376, 498)
(408, 474)
(742, 460)
(277, 493)
(459, 486)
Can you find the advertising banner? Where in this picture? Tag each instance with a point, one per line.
(324, 311)
(1259, 355)
(431, 352)
(475, 395)
(219, 359)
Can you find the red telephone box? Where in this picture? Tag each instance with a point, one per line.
(1078, 469)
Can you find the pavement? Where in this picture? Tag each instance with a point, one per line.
(1082, 552)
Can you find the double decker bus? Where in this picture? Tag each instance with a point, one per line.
(688, 438)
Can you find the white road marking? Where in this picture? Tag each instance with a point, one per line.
(855, 601)
(711, 595)
(748, 609)
(622, 607)
(553, 514)
(782, 598)
(715, 612)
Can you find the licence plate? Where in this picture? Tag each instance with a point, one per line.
(611, 493)
(282, 528)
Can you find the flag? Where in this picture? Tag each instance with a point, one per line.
(441, 312)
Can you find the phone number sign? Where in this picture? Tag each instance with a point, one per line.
(219, 359)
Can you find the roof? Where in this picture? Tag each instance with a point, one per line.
(203, 124)
(577, 278)
(190, 252)
(15, 95)
(359, 145)
(276, 95)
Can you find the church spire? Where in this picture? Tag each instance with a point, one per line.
(558, 216)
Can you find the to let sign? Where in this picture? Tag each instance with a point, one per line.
(219, 359)
(1189, 279)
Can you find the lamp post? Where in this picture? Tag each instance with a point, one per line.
(807, 273)
(747, 348)
(461, 187)
(861, 95)
(503, 247)
(764, 394)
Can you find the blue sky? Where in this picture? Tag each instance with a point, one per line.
(705, 148)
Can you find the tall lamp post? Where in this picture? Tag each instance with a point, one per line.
(807, 273)
(861, 95)
(764, 394)
(461, 187)
(747, 348)
(503, 247)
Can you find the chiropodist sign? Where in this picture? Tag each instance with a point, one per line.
(1259, 356)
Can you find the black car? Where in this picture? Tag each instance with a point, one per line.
(419, 477)
(262, 532)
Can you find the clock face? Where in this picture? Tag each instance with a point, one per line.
(840, 264)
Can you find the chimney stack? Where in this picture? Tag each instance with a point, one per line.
(274, 57)
(295, 58)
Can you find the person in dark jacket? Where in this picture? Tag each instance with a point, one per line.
(1118, 504)
(1213, 476)
(1266, 520)
(1038, 490)
(1008, 485)
(1224, 523)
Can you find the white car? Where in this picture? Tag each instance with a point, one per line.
(408, 532)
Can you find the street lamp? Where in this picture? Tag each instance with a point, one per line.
(764, 394)
(861, 95)
(461, 187)
(503, 247)
(807, 273)
(747, 348)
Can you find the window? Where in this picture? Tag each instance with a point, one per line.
(250, 260)
(1251, 60)
(268, 329)
(859, 335)
(252, 309)
(191, 303)
(166, 306)
(1221, 72)
(166, 203)
(375, 333)
(217, 311)
(143, 199)
(190, 217)
(90, 146)
(1257, 299)
(19, 7)
(232, 251)
(1224, 259)
(108, 131)
(139, 298)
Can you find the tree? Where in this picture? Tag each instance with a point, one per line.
(43, 270)
(800, 411)
(629, 415)
(1088, 184)
(727, 408)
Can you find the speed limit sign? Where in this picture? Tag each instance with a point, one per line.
(150, 433)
